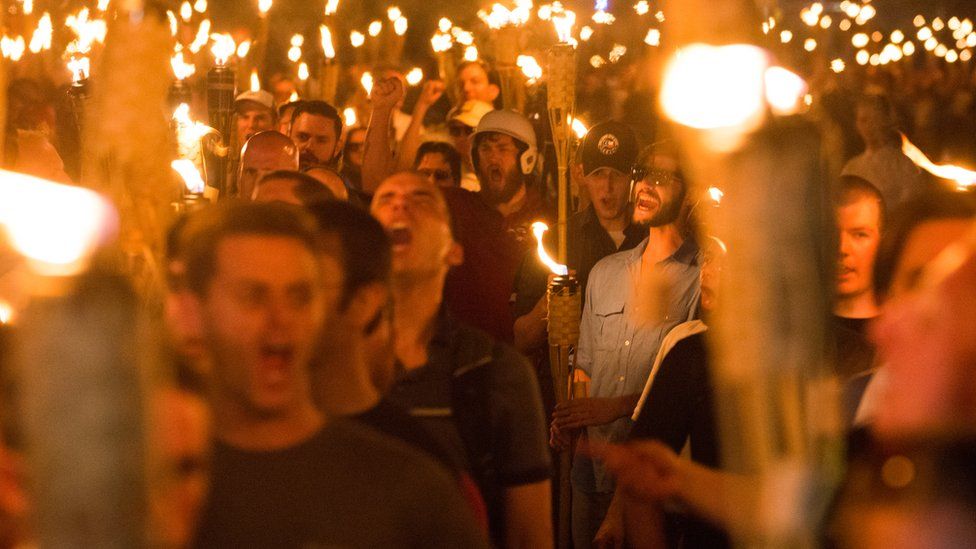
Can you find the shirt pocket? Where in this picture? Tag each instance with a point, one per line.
(610, 323)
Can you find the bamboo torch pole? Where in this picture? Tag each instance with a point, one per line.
(562, 106)
(563, 300)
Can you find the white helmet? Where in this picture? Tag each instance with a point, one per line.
(514, 125)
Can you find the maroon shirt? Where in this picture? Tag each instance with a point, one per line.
(480, 291)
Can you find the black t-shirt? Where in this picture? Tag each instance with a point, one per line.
(480, 397)
(390, 419)
(854, 352)
(681, 407)
(347, 486)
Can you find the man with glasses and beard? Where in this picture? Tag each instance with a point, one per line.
(633, 299)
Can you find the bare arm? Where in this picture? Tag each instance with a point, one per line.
(378, 162)
(433, 90)
(528, 515)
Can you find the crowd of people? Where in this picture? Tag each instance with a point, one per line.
(360, 325)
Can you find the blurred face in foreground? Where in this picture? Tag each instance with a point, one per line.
(261, 314)
(926, 338)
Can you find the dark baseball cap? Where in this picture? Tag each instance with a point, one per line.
(609, 145)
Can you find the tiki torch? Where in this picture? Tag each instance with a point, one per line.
(79, 92)
(329, 73)
(180, 92)
(191, 162)
(442, 42)
(506, 25)
(562, 105)
(221, 89)
(563, 299)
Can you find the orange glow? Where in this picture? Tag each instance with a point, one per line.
(539, 229)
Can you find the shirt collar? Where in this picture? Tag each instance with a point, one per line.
(686, 254)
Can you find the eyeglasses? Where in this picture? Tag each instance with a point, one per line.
(439, 175)
(656, 177)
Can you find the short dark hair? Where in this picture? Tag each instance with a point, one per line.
(446, 150)
(934, 206)
(851, 189)
(208, 228)
(316, 107)
(364, 248)
(308, 190)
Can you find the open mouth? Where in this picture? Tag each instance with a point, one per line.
(276, 359)
(495, 174)
(645, 203)
(400, 235)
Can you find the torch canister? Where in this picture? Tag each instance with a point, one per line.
(563, 297)
(221, 85)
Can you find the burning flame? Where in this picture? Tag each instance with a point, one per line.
(963, 178)
(41, 40)
(349, 117)
(538, 229)
(223, 47)
(255, 81)
(6, 312)
(530, 67)
(13, 48)
(357, 39)
(57, 227)
(331, 6)
(87, 32)
(293, 97)
(367, 82)
(181, 69)
(444, 24)
(441, 42)
(708, 87)
(28, 7)
(191, 177)
(243, 49)
(264, 6)
(186, 12)
(579, 128)
(400, 26)
(328, 48)
(303, 71)
(202, 37)
(715, 194)
(563, 21)
(189, 133)
(200, 6)
(500, 16)
(785, 91)
(471, 53)
(415, 76)
(80, 68)
(374, 28)
(393, 13)
(173, 23)
(461, 36)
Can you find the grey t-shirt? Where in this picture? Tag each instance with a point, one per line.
(347, 486)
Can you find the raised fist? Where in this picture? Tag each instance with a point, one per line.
(387, 93)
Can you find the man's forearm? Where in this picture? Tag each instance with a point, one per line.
(377, 152)
(410, 144)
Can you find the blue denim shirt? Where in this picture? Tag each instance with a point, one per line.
(617, 342)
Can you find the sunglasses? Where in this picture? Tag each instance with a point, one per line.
(439, 175)
(656, 177)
